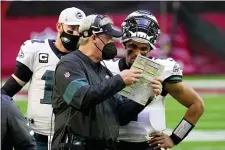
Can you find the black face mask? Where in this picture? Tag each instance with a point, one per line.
(109, 51)
(69, 41)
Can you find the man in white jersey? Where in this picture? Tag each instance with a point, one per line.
(141, 31)
(36, 63)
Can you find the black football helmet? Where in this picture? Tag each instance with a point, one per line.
(141, 26)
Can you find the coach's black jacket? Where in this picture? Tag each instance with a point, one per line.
(16, 134)
(84, 99)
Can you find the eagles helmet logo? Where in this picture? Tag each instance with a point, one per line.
(177, 69)
(79, 15)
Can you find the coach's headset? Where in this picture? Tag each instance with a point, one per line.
(95, 28)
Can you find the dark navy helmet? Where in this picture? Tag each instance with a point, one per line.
(141, 26)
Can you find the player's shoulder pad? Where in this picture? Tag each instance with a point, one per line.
(28, 49)
(171, 68)
(32, 45)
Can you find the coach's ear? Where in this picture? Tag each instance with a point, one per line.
(93, 38)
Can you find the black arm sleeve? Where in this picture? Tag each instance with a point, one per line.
(11, 87)
(21, 133)
(23, 72)
(76, 90)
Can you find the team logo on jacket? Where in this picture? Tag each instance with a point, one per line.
(43, 58)
(67, 75)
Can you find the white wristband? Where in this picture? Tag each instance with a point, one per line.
(183, 129)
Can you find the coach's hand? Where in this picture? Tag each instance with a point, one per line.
(131, 76)
(156, 86)
(160, 139)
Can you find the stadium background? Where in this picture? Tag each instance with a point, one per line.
(193, 35)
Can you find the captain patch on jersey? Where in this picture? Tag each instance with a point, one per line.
(43, 58)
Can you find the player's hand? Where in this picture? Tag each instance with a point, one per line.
(160, 139)
(131, 76)
(156, 85)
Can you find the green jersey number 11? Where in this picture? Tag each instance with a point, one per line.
(48, 78)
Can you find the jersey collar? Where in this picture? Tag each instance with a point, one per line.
(57, 52)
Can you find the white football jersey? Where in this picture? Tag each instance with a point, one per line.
(41, 60)
(152, 118)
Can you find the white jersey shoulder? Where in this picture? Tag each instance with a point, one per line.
(112, 65)
(39, 57)
(28, 51)
(171, 68)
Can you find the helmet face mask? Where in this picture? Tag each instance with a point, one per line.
(141, 27)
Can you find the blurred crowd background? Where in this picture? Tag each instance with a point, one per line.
(193, 33)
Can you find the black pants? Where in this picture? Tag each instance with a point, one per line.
(122, 145)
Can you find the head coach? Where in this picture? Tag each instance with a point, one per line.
(87, 109)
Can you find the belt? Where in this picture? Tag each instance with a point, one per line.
(76, 142)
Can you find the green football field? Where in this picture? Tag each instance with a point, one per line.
(212, 120)
(204, 77)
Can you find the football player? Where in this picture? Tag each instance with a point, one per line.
(145, 132)
(36, 63)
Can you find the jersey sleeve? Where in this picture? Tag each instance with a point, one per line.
(26, 54)
(173, 72)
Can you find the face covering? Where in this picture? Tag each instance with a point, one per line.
(69, 41)
(109, 51)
